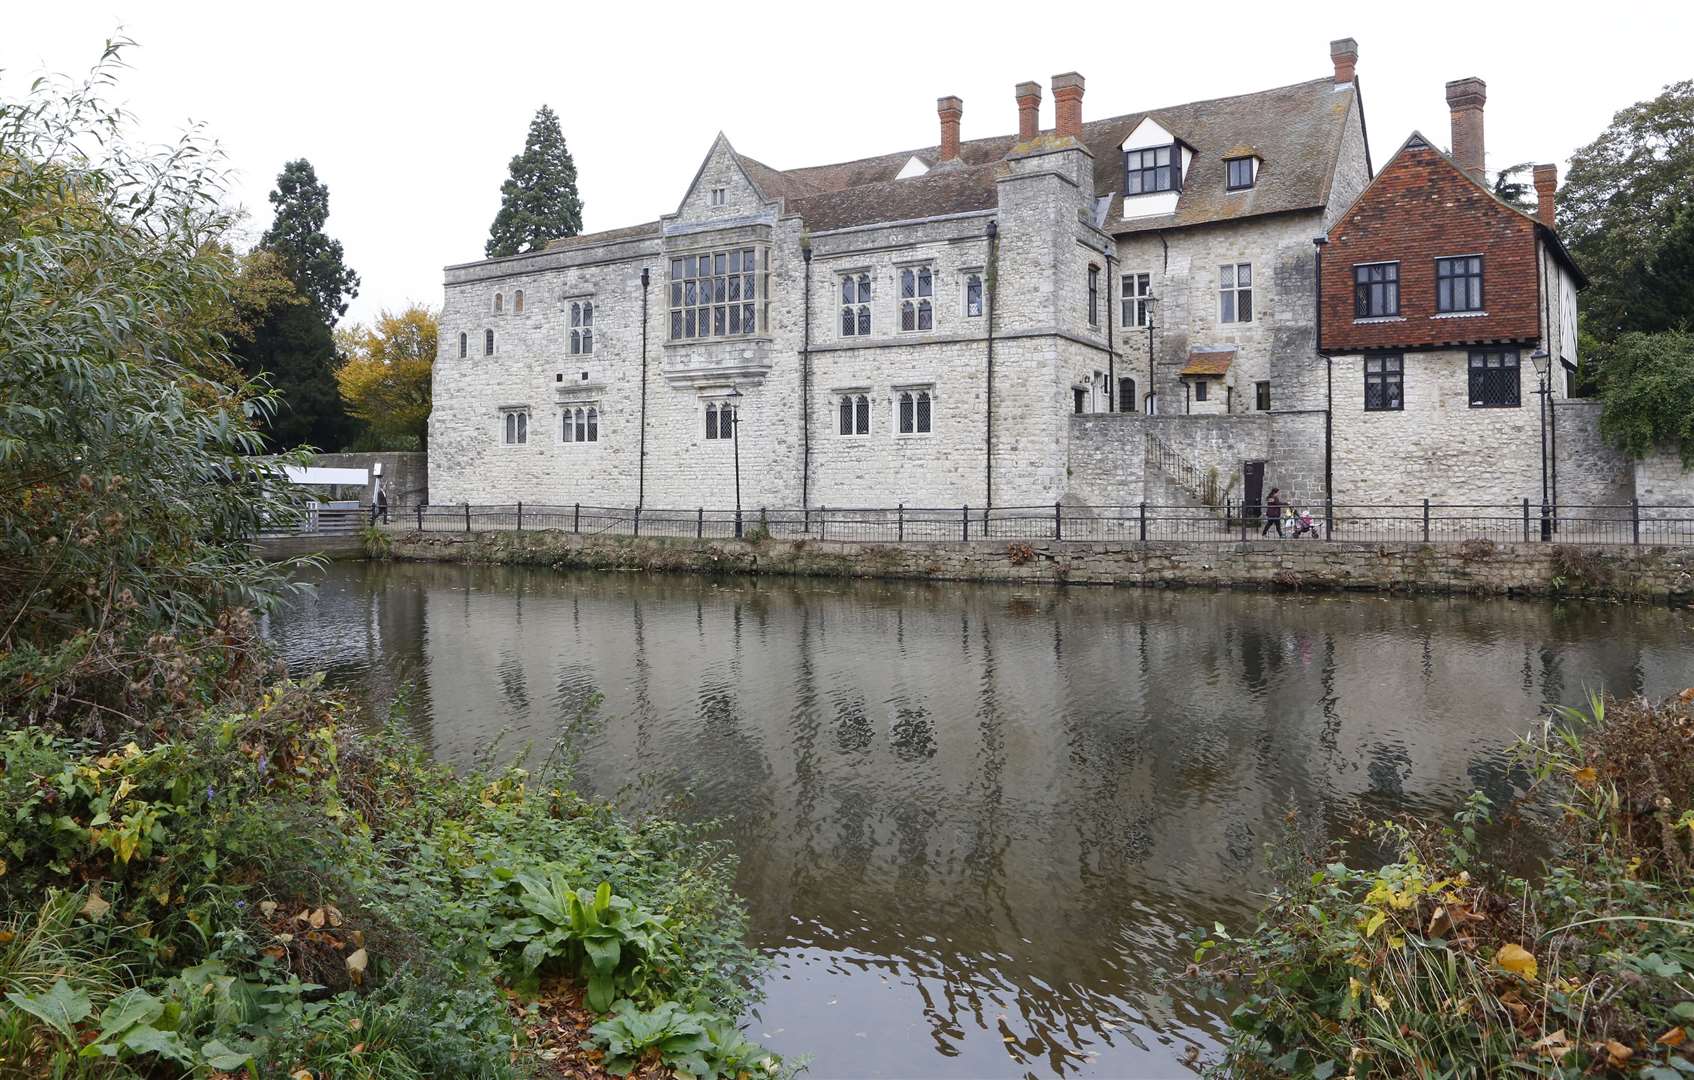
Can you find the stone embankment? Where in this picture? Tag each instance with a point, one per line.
(1476, 566)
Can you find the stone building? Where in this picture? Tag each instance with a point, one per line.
(920, 327)
(1100, 312)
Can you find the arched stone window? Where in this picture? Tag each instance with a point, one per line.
(711, 421)
(720, 421)
(517, 302)
(916, 408)
(488, 343)
(593, 424)
(917, 298)
(517, 427)
(464, 345)
(582, 327)
(499, 303)
(855, 305)
(973, 296)
(855, 414)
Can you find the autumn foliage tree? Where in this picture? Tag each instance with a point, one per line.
(384, 377)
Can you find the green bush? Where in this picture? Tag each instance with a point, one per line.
(1443, 962)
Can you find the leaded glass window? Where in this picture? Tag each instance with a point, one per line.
(855, 414)
(1384, 384)
(855, 304)
(1235, 293)
(917, 298)
(915, 412)
(973, 295)
(582, 327)
(718, 294)
(1495, 382)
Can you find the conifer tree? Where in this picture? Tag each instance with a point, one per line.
(313, 260)
(538, 202)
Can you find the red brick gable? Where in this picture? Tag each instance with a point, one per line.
(1422, 207)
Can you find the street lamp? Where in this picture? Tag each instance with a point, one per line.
(1543, 361)
(734, 397)
(1152, 394)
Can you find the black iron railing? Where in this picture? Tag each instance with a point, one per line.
(1425, 523)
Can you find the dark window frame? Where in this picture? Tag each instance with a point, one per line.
(1229, 167)
(464, 345)
(1093, 295)
(582, 327)
(1385, 383)
(715, 295)
(488, 343)
(916, 409)
(854, 409)
(1202, 389)
(857, 296)
(973, 295)
(1141, 178)
(1262, 395)
(1373, 282)
(917, 299)
(1445, 272)
(1126, 394)
(1481, 386)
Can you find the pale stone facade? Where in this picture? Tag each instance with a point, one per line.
(1030, 259)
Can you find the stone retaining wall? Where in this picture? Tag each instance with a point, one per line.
(1477, 566)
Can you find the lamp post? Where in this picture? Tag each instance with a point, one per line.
(1152, 394)
(734, 397)
(1543, 361)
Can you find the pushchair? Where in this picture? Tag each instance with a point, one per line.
(1303, 525)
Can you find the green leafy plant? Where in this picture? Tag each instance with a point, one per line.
(610, 942)
(693, 1045)
(1444, 962)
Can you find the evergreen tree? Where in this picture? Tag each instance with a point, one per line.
(293, 344)
(313, 260)
(538, 202)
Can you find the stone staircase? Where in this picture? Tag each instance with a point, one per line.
(1198, 488)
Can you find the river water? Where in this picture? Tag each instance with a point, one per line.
(974, 822)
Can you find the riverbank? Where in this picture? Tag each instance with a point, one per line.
(1475, 567)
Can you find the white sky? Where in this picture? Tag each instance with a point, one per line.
(411, 112)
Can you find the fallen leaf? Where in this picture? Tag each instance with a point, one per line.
(1617, 1052)
(356, 962)
(1519, 961)
(1674, 1037)
(1585, 775)
(300, 1074)
(316, 919)
(1556, 1044)
(333, 914)
(267, 908)
(94, 907)
(359, 1049)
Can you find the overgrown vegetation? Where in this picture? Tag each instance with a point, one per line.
(206, 868)
(1444, 962)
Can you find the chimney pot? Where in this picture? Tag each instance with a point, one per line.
(950, 109)
(1465, 98)
(1029, 110)
(1546, 185)
(1345, 53)
(1067, 104)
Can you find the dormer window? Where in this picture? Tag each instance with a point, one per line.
(1241, 172)
(1151, 170)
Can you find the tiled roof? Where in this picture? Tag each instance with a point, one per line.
(605, 236)
(1296, 131)
(1208, 362)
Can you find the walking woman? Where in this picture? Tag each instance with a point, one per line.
(1273, 513)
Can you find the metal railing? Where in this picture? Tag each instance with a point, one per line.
(1419, 523)
(321, 520)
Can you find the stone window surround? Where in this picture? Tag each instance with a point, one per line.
(579, 316)
(913, 266)
(913, 388)
(842, 274)
(501, 414)
(851, 394)
(1235, 290)
(965, 275)
(675, 325)
(1136, 311)
(567, 411)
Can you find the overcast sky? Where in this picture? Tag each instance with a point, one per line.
(411, 112)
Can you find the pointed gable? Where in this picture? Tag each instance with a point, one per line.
(722, 190)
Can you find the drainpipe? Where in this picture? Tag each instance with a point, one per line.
(1329, 392)
(1111, 340)
(641, 461)
(806, 387)
(988, 440)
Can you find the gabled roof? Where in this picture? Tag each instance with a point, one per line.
(1416, 141)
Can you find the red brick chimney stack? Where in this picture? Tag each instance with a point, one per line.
(1465, 98)
(949, 109)
(1067, 105)
(1345, 53)
(1546, 184)
(1029, 110)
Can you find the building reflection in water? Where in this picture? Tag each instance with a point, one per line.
(974, 822)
